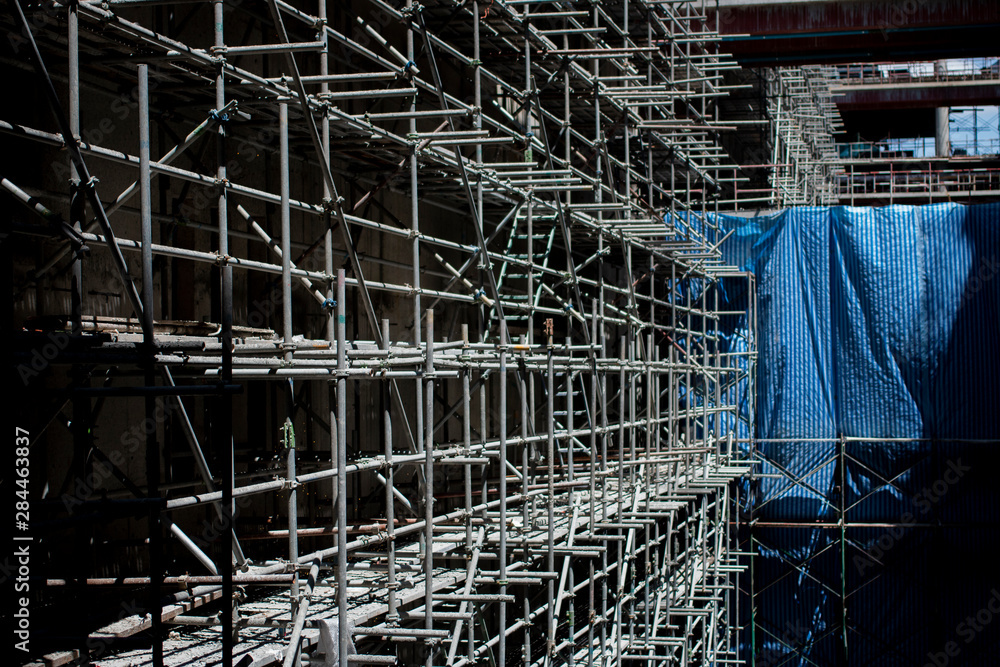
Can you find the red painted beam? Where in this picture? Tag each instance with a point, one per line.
(812, 16)
(817, 31)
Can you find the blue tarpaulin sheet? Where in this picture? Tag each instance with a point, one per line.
(878, 401)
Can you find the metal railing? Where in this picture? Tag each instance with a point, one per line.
(891, 184)
(867, 74)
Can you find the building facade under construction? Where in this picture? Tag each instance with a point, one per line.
(389, 332)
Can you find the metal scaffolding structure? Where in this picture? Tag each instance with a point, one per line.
(416, 321)
(805, 118)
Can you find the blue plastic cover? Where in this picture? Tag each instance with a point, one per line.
(881, 325)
